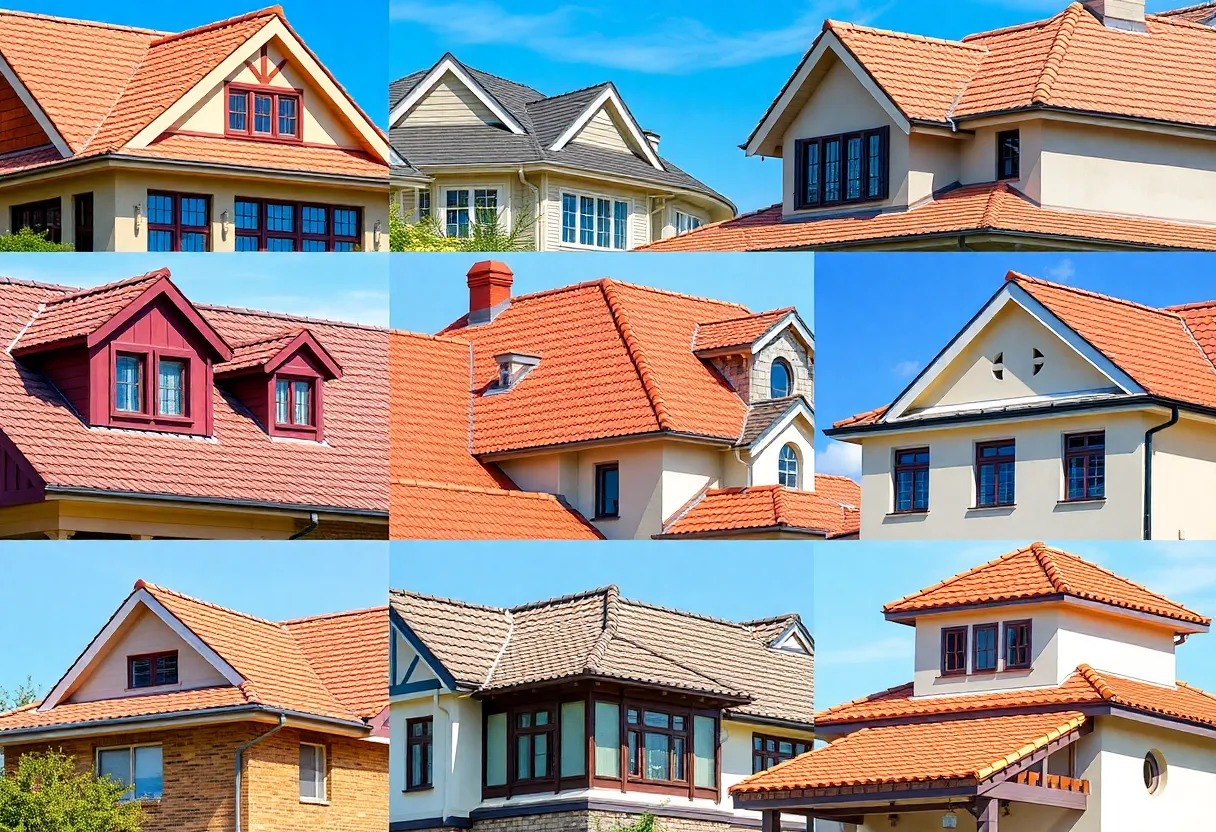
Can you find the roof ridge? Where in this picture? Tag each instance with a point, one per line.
(479, 71)
(586, 284)
(637, 355)
(1019, 276)
(502, 650)
(608, 628)
(1177, 307)
(1095, 680)
(80, 21)
(567, 93)
(142, 584)
(473, 489)
(286, 316)
(909, 686)
(1018, 27)
(283, 334)
(275, 11)
(37, 284)
(785, 310)
(1055, 55)
(1055, 576)
(340, 614)
(108, 287)
(564, 599)
(959, 576)
(844, 25)
(456, 602)
(686, 613)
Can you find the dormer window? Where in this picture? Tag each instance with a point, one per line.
(152, 670)
(842, 169)
(779, 377)
(787, 467)
(293, 402)
(954, 651)
(129, 384)
(1008, 155)
(1017, 645)
(263, 113)
(172, 387)
(512, 367)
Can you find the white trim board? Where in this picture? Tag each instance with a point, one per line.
(609, 98)
(31, 104)
(446, 65)
(137, 598)
(791, 319)
(777, 428)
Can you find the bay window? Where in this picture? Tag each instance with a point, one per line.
(595, 221)
(842, 169)
(263, 113)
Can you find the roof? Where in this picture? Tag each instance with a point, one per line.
(735, 332)
(764, 414)
(101, 84)
(1199, 13)
(832, 509)
(439, 489)
(1038, 571)
(599, 634)
(987, 208)
(82, 313)
(239, 462)
(1169, 351)
(543, 119)
(330, 666)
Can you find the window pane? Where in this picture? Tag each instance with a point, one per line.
(874, 181)
(343, 246)
(141, 673)
(115, 763)
(246, 215)
(280, 244)
(303, 401)
(523, 757)
(166, 669)
(787, 467)
(280, 217)
(812, 173)
(678, 759)
(160, 241)
(540, 755)
(194, 211)
(128, 384)
(309, 771)
(238, 111)
(281, 397)
(633, 753)
(658, 760)
(603, 222)
(831, 171)
(569, 217)
(853, 185)
(312, 245)
(172, 388)
(160, 209)
(779, 380)
(261, 113)
(148, 780)
(416, 764)
(655, 719)
(485, 201)
(586, 222)
(620, 225)
(313, 219)
(574, 745)
(607, 739)
(704, 750)
(193, 241)
(496, 750)
(287, 115)
(346, 220)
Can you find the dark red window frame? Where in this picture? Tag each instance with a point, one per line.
(176, 228)
(814, 155)
(151, 659)
(766, 751)
(1017, 654)
(954, 651)
(1093, 485)
(330, 240)
(976, 665)
(1008, 155)
(275, 94)
(911, 469)
(425, 743)
(149, 358)
(996, 462)
(291, 422)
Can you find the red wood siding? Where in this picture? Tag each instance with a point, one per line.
(303, 365)
(19, 483)
(69, 371)
(19, 130)
(255, 393)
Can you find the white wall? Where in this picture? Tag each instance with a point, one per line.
(801, 434)
(457, 750)
(1184, 481)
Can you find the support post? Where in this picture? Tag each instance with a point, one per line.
(987, 812)
(771, 821)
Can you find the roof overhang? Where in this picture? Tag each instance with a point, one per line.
(445, 677)
(611, 99)
(725, 699)
(304, 340)
(652, 436)
(302, 509)
(798, 408)
(449, 64)
(753, 531)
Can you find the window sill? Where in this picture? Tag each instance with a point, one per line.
(312, 801)
(1086, 501)
(1004, 507)
(985, 673)
(918, 512)
(599, 517)
(154, 688)
(412, 789)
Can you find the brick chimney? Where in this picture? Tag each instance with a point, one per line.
(489, 290)
(1119, 14)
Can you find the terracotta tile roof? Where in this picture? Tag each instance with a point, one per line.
(439, 489)
(72, 713)
(1199, 13)
(833, 511)
(240, 462)
(971, 209)
(84, 312)
(1039, 571)
(1200, 319)
(340, 161)
(971, 750)
(347, 651)
(735, 332)
(598, 634)
(615, 361)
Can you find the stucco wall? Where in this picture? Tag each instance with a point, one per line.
(457, 758)
(801, 434)
(100, 184)
(1184, 481)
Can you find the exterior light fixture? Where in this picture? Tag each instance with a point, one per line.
(139, 209)
(950, 820)
(893, 819)
(224, 224)
(1005, 812)
(376, 236)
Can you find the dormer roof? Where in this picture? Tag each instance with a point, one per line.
(744, 331)
(268, 354)
(1040, 573)
(832, 510)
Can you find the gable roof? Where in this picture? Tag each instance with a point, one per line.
(600, 635)
(332, 666)
(269, 353)
(100, 85)
(735, 332)
(833, 509)
(1039, 572)
(239, 463)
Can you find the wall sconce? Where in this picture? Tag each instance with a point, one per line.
(1005, 812)
(139, 209)
(893, 819)
(224, 224)
(950, 820)
(376, 236)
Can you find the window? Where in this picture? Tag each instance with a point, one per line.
(779, 378)
(1037, 361)
(1017, 645)
(954, 651)
(658, 745)
(1008, 155)
(573, 753)
(912, 480)
(768, 751)
(787, 467)
(994, 463)
(83, 220)
(485, 200)
(607, 490)
(129, 384)
(457, 213)
(137, 767)
(265, 225)
(152, 670)
(607, 739)
(985, 657)
(496, 750)
(312, 773)
(263, 114)
(424, 203)
(40, 217)
(293, 403)
(179, 222)
(848, 168)
(686, 222)
(534, 731)
(420, 754)
(595, 221)
(171, 387)
(1085, 466)
(1154, 767)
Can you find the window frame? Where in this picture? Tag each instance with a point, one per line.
(275, 94)
(427, 744)
(548, 730)
(149, 413)
(601, 469)
(996, 463)
(176, 228)
(762, 754)
(995, 629)
(692, 221)
(82, 232)
(781, 461)
(292, 379)
(640, 728)
(322, 798)
(1016, 173)
(945, 633)
(1027, 623)
(596, 198)
(130, 749)
(1084, 454)
(297, 235)
(804, 201)
(913, 468)
(51, 207)
(152, 657)
(789, 377)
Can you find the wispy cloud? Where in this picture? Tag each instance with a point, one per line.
(882, 650)
(841, 458)
(659, 45)
(906, 369)
(356, 306)
(1063, 271)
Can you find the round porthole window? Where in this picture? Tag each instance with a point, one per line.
(1154, 772)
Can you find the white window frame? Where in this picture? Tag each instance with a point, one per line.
(129, 795)
(562, 193)
(676, 213)
(322, 770)
(797, 466)
(503, 198)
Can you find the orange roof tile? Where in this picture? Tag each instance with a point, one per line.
(832, 509)
(1199, 13)
(442, 511)
(256, 353)
(736, 332)
(1039, 571)
(347, 651)
(996, 208)
(173, 702)
(340, 161)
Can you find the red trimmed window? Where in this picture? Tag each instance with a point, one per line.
(179, 222)
(1017, 645)
(151, 385)
(263, 113)
(267, 225)
(954, 651)
(152, 670)
(295, 403)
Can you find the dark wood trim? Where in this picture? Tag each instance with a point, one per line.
(1038, 795)
(176, 228)
(776, 756)
(151, 658)
(818, 146)
(944, 668)
(601, 470)
(912, 468)
(275, 94)
(996, 463)
(297, 235)
(26, 215)
(427, 743)
(1005, 626)
(1016, 173)
(1085, 454)
(995, 629)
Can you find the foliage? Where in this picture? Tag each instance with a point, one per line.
(27, 240)
(47, 794)
(644, 823)
(25, 694)
(487, 234)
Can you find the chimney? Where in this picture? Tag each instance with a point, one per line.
(489, 290)
(653, 138)
(1119, 14)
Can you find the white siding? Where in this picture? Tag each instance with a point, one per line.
(449, 103)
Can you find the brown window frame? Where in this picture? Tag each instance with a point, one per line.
(761, 756)
(1017, 624)
(82, 221)
(818, 145)
(995, 629)
(176, 228)
(640, 729)
(980, 447)
(1016, 172)
(298, 237)
(962, 652)
(275, 94)
(151, 659)
(515, 732)
(600, 470)
(52, 213)
(912, 468)
(426, 742)
(1085, 454)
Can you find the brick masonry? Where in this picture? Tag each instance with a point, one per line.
(199, 766)
(344, 530)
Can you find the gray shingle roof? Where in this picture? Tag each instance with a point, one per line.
(762, 415)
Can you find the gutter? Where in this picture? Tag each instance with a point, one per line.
(240, 751)
(307, 530)
(1148, 469)
(221, 501)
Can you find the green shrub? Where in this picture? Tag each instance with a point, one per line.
(46, 794)
(28, 240)
(488, 234)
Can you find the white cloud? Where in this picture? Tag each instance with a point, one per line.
(583, 34)
(906, 369)
(1062, 272)
(841, 458)
(883, 650)
(358, 306)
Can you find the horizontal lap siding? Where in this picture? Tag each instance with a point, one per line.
(639, 224)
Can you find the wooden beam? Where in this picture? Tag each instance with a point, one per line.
(771, 821)
(987, 814)
(1038, 795)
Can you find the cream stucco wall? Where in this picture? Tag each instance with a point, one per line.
(1184, 481)
(101, 184)
(801, 434)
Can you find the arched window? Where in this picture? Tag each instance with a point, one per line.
(787, 467)
(779, 378)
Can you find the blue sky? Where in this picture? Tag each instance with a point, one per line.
(429, 290)
(701, 75)
(353, 44)
(316, 285)
(872, 344)
(69, 590)
(859, 652)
